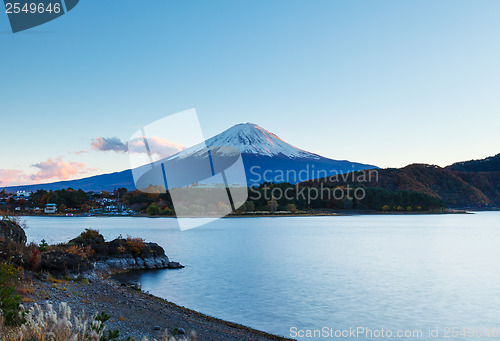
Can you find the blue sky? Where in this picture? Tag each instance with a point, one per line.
(383, 82)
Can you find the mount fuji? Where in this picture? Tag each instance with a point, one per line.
(266, 158)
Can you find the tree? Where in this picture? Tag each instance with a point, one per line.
(121, 192)
(85, 207)
(249, 206)
(291, 208)
(272, 205)
(153, 209)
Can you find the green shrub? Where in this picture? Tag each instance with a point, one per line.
(10, 302)
(154, 209)
(43, 246)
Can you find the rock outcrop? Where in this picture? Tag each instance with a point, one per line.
(10, 231)
(12, 242)
(90, 251)
(87, 252)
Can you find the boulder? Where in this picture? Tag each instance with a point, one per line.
(61, 263)
(10, 231)
(12, 243)
(174, 265)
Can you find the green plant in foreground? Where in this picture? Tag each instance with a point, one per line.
(98, 325)
(43, 246)
(10, 302)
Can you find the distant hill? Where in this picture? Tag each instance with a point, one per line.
(490, 164)
(455, 188)
(104, 182)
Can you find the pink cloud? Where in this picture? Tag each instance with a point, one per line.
(57, 170)
(12, 177)
(47, 171)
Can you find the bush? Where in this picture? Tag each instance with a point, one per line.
(153, 209)
(136, 245)
(34, 258)
(89, 234)
(83, 252)
(10, 302)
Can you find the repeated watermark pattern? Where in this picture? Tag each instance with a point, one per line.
(202, 180)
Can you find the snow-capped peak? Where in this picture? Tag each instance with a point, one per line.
(249, 138)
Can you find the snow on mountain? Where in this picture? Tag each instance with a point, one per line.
(249, 138)
(265, 156)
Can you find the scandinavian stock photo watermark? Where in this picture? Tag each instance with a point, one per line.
(364, 333)
(321, 188)
(204, 182)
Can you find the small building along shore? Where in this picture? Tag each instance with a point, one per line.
(50, 208)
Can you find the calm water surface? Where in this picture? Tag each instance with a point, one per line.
(374, 271)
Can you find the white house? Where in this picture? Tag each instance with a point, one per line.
(50, 208)
(23, 194)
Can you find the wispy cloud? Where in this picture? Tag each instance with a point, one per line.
(105, 144)
(160, 147)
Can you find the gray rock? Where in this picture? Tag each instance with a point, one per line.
(174, 265)
(12, 232)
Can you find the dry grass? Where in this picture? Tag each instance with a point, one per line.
(83, 252)
(60, 325)
(136, 245)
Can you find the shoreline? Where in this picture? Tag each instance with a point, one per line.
(134, 312)
(267, 215)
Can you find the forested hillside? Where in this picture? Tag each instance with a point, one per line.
(456, 188)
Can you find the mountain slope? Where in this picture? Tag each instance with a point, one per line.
(103, 182)
(265, 156)
(457, 189)
(489, 164)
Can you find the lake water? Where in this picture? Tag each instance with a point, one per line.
(396, 272)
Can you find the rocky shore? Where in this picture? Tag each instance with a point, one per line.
(135, 313)
(78, 274)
